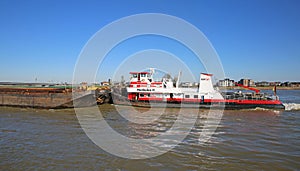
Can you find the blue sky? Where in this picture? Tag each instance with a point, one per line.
(256, 39)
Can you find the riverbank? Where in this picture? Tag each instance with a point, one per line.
(261, 88)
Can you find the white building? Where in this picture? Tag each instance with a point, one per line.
(226, 83)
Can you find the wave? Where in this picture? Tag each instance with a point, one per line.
(261, 109)
(291, 106)
(276, 111)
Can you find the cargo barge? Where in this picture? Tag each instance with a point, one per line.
(49, 97)
(143, 91)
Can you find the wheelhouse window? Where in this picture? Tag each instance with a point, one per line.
(186, 96)
(196, 96)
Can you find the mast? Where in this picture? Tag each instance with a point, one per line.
(178, 78)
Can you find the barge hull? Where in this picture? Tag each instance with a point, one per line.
(45, 98)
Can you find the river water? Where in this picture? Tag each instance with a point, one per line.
(36, 139)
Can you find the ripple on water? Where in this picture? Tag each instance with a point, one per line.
(252, 140)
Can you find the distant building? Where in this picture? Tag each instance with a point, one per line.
(290, 84)
(262, 84)
(295, 84)
(275, 83)
(226, 83)
(285, 84)
(247, 82)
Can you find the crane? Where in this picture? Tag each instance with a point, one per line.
(247, 87)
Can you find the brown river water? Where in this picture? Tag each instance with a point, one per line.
(40, 139)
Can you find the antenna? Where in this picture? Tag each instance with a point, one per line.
(178, 78)
(152, 71)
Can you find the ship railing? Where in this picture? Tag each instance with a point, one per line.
(246, 98)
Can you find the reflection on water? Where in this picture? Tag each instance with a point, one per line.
(244, 140)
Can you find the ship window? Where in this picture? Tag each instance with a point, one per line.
(134, 75)
(143, 75)
(141, 95)
(196, 96)
(187, 96)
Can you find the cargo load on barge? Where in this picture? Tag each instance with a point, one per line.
(143, 91)
(34, 97)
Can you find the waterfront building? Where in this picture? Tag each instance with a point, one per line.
(262, 84)
(226, 83)
(247, 82)
(295, 84)
(277, 83)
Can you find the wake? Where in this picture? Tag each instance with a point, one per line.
(291, 106)
(288, 107)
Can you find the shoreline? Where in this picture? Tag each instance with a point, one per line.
(261, 88)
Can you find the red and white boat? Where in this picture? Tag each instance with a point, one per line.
(143, 91)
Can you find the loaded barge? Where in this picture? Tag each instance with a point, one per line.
(143, 91)
(34, 97)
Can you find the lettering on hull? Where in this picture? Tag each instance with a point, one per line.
(145, 89)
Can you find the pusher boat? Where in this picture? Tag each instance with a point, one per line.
(143, 91)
